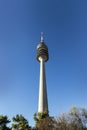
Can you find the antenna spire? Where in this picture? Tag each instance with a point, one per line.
(42, 37)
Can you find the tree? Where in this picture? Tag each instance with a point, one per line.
(46, 124)
(20, 123)
(61, 122)
(79, 116)
(75, 119)
(43, 121)
(38, 117)
(3, 123)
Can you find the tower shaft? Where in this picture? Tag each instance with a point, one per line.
(43, 102)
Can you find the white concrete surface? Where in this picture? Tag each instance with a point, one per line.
(43, 102)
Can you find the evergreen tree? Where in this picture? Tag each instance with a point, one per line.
(40, 116)
(3, 123)
(20, 123)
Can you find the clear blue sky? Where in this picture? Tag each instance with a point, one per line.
(64, 23)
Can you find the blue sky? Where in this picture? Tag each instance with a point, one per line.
(64, 24)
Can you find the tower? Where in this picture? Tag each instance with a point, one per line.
(42, 57)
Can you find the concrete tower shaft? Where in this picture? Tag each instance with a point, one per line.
(43, 102)
(42, 57)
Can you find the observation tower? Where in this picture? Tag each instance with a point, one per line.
(42, 57)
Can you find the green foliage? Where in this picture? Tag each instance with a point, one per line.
(38, 117)
(3, 122)
(75, 119)
(20, 123)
